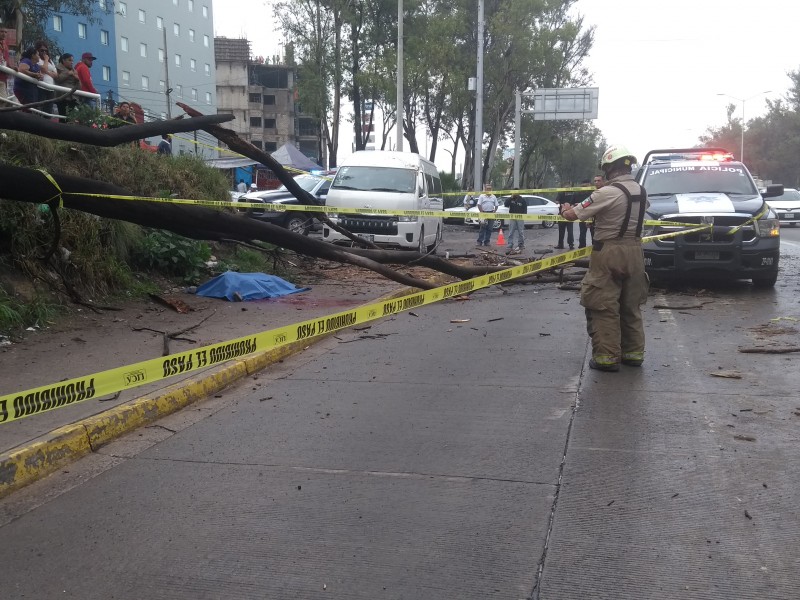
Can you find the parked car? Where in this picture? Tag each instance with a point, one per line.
(299, 222)
(536, 206)
(787, 206)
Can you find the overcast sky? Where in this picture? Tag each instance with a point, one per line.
(659, 65)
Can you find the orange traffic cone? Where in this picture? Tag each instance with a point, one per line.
(501, 240)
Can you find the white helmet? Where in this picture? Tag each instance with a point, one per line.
(614, 154)
(253, 186)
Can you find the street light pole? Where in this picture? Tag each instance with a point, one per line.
(399, 109)
(743, 101)
(478, 158)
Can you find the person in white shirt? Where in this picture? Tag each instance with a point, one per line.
(48, 71)
(487, 203)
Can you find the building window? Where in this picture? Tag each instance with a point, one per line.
(206, 41)
(145, 82)
(123, 9)
(257, 144)
(126, 78)
(179, 91)
(58, 23)
(208, 97)
(177, 60)
(269, 123)
(270, 146)
(106, 73)
(162, 85)
(191, 5)
(176, 28)
(269, 100)
(255, 121)
(192, 64)
(191, 35)
(142, 16)
(159, 23)
(82, 30)
(143, 50)
(208, 70)
(160, 55)
(123, 44)
(205, 12)
(194, 94)
(104, 37)
(255, 98)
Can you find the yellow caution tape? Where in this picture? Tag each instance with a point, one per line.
(41, 399)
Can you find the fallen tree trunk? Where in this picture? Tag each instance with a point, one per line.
(196, 222)
(19, 121)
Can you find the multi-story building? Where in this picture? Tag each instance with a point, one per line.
(263, 100)
(164, 54)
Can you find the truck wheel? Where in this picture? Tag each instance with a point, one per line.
(548, 224)
(297, 223)
(765, 282)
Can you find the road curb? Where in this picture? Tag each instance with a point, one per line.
(23, 465)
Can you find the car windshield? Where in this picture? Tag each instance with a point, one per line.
(307, 182)
(375, 179)
(788, 195)
(690, 179)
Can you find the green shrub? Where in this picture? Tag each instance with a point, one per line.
(172, 254)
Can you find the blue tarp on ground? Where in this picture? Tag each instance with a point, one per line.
(249, 286)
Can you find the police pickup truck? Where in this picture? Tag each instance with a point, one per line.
(705, 186)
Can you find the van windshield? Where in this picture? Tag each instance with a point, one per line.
(375, 179)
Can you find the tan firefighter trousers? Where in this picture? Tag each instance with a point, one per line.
(613, 291)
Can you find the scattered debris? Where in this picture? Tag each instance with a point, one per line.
(176, 304)
(495, 319)
(744, 438)
(727, 374)
(683, 306)
(747, 514)
(764, 350)
(413, 314)
(460, 320)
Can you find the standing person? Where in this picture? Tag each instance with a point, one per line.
(165, 145)
(516, 206)
(561, 199)
(85, 77)
(615, 286)
(123, 113)
(583, 226)
(577, 198)
(67, 77)
(487, 203)
(5, 60)
(48, 71)
(26, 91)
(242, 187)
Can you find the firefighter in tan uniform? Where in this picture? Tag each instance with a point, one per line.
(615, 287)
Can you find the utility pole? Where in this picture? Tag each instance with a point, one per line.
(479, 106)
(399, 75)
(166, 73)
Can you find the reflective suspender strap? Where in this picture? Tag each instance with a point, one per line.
(640, 199)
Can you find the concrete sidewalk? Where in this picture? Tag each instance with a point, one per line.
(440, 457)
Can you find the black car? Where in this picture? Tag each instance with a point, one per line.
(705, 186)
(297, 221)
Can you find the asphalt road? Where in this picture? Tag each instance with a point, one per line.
(430, 458)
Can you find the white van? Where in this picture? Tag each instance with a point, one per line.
(387, 180)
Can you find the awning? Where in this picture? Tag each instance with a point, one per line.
(230, 163)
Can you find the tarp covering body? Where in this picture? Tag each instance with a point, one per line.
(247, 286)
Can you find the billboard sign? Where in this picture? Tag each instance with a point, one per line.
(557, 104)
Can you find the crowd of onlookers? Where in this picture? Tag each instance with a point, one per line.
(36, 63)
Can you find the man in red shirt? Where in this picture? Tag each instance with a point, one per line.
(84, 76)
